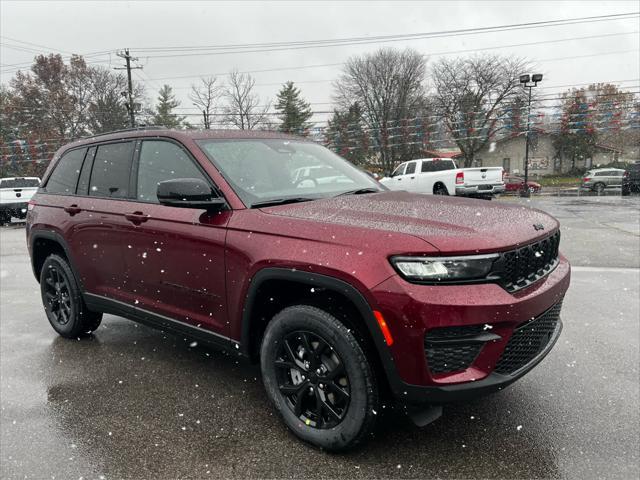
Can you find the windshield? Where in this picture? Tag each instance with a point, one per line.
(260, 170)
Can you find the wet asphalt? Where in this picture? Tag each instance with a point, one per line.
(132, 402)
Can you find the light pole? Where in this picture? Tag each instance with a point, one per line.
(528, 81)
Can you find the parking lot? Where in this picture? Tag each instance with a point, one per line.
(131, 402)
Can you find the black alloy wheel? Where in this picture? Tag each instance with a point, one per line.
(58, 295)
(62, 300)
(318, 377)
(312, 379)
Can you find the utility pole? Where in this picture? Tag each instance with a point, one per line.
(128, 59)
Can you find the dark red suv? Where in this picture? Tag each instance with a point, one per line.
(274, 247)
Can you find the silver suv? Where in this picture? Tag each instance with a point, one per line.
(601, 178)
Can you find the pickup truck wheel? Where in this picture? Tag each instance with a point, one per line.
(62, 300)
(318, 378)
(440, 189)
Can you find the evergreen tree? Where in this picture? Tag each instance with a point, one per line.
(164, 115)
(293, 110)
(346, 135)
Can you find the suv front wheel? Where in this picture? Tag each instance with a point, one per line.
(62, 300)
(318, 378)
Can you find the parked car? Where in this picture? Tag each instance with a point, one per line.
(441, 176)
(599, 179)
(631, 179)
(15, 193)
(345, 292)
(515, 184)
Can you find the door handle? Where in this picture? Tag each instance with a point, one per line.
(413, 178)
(399, 179)
(72, 209)
(136, 217)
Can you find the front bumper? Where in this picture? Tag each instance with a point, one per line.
(413, 311)
(474, 190)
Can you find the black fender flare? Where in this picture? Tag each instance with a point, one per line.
(329, 283)
(59, 239)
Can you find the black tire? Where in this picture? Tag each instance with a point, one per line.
(5, 218)
(599, 187)
(62, 300)
(344, 421)
(439, 189)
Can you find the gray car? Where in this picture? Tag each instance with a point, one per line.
(599, 179)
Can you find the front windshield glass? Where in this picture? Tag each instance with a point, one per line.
(260, 170)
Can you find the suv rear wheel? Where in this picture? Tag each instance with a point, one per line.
(63, 304)
(318, 378)
(599, 187)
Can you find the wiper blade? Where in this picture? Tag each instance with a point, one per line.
(359, 191)
(281, 201)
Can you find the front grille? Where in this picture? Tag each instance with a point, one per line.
(528, 341)
(523, 266)
(449, 350)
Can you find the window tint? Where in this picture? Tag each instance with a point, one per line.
(617, 173)
(85, 173)
(111, 170)
(437, 165)
(64, 177)
(160, 161)
(411, 168)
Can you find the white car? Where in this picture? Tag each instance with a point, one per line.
(441, 176)
(15, 193)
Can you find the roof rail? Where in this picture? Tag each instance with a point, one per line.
(132, 129)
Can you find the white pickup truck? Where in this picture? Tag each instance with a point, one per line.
(15, 193)
(441, 176)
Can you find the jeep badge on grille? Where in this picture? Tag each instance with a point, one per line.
(538, 226)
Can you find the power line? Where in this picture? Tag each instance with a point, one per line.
(295, 45)
(302, 67)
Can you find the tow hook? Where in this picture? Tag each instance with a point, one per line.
(423, 416)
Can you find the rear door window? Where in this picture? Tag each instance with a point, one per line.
(112, 170)
(64, 178)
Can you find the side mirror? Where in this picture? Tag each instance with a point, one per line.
(188, 193)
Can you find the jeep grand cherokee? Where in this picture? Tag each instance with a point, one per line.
(274, 247)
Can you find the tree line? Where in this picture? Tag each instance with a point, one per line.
(389, 107)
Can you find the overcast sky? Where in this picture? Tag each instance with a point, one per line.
(85, 27)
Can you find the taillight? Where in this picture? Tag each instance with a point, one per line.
(586, 179)
(459, 178)
(30, 205)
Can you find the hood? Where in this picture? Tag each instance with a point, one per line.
(450, 224)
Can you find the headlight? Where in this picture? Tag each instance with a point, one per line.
(444, 269)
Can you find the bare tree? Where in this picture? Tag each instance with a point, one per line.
(470, 94)
(243, 107)
(205, 96)
(388, 85)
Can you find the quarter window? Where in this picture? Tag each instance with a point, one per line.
(111, 170)
(64, 178)
(160, 161)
